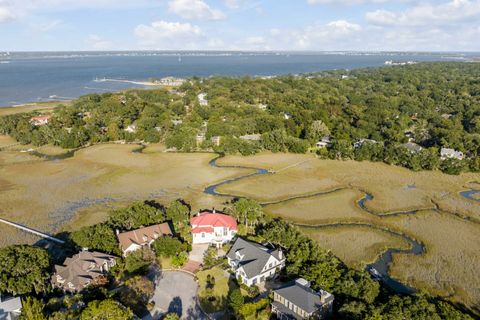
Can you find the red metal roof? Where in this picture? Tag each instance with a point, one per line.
(207, 219)
(40, 118)
(203, 229)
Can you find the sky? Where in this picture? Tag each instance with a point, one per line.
(272, 25)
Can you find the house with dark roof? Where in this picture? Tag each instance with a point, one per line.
(298, 301)
(10, 307)
(83, 269)
(254, 263)
(136, 239)
(412, 147)
(213, 228)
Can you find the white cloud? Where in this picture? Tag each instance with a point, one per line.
(344, 2)
(5, 13)
(96, 42)
(234, 4)
(194, 9)
(443, 14)
(168, 35)
(335, 35)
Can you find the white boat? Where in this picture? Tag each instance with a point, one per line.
(374, 272)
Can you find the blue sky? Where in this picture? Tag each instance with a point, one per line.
(366, 25)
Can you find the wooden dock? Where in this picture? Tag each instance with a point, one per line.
(30, 230)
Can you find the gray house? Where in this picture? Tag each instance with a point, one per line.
(83, 269)
(10, 308)
(253, 263)
(298, 301)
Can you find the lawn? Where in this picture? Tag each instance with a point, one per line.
(214, 299)
(29, 107)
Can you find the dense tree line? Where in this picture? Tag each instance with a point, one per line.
(436, 104)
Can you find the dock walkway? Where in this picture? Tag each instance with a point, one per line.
(30, 230)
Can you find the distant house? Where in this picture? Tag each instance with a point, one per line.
(361, 142)
(324, 143)
(214, 228)
(298, 301)
(253, 263)
(200, 138)
(216, 140)
(251, 137)
(83, 269)
(202, 99)
(412, 147)
(286, 115)
(10, 307)
(171, 81)
(262, 106)
(40, 120)
(446, 153)
(136, 239)
(131, 128)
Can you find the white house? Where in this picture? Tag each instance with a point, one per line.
(446, 153)
(132, 128)
(253, 263)
(213, 228)
(202, 99)
(136, 239)
(325, 142)
(10, 308)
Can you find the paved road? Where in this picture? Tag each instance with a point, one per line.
(176, 292)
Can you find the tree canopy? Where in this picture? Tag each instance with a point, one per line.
(23, 269)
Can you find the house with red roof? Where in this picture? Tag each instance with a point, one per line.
(40, 120)
(213, 228)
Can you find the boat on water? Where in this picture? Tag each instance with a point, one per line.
(4, 62)
(374, 272)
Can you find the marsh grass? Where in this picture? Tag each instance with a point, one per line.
(357, 246)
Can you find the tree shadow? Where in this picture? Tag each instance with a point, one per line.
(176, 306)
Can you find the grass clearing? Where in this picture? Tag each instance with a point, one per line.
(357, 246)
(30, 107)
(215, 298)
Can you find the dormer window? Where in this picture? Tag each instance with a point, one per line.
(238, 255)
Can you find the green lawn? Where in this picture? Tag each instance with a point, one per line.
(216, 299)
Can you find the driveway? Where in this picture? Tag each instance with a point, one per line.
(198, 252)
(176, 292)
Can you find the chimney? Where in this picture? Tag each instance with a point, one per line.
(280, 254)
(117, 232)
(214, 210)
(84, 249)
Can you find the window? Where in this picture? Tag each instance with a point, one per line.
(203, 234)
(225, 231)
(270, 265)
